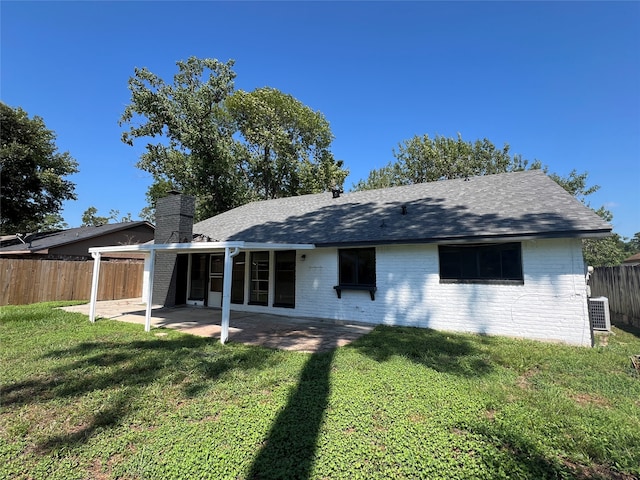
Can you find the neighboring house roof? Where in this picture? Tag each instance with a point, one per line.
(633, 259)
(510, 205)
(43, 242)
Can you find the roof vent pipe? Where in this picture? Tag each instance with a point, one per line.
(404, 209)
(336, 192)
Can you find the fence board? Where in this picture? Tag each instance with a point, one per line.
(25, 281)
(621, 285)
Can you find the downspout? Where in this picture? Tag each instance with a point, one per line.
(94, 286)
(226, 292)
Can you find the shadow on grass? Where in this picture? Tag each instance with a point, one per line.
(630, 329)
(120, 369)
(523, 458)
(102, 365)
(440, 351)
(111, 416)
(290, 447)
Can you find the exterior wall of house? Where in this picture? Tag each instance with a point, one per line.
(129, 236)
(550, 306)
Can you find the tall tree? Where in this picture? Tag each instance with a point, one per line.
(53, 222)
(226, 148)
(633, 244)
(576, 184)
(424, 159)
(604, 252)
(195, 146)
(90, 217)
(33, 173)
(287, 144)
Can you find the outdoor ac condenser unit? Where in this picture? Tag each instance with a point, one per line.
(599, 313)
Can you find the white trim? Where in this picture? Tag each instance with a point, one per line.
(202, 246)
(95, 280)
(226, 292)
(147, 315)
(150, 250)
(145, 278)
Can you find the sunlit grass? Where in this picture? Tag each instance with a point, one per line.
(107, 400)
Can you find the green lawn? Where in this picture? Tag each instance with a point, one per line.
(107, 400)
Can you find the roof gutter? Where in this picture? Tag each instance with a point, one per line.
(201, 247)
(475, 239)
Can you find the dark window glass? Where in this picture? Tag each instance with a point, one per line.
(198, 276)
(481, 262)
(285, 279)
(259, 278)
(357, 266)
(237, 279)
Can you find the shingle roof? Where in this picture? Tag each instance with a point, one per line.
(43, 241)
(517, 204)
(632, 259)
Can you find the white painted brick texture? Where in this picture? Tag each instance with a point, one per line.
(550, 306)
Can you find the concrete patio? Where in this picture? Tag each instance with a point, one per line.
(274, 331)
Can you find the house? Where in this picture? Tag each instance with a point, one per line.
(74, 243)
(496, 254)
(632, 260)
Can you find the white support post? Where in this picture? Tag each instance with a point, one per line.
(149, 292)
(226, 292)
(145, 278)
(95, 279)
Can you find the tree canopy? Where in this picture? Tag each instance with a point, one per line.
(193, 133)
(222, 147)
(424, 159)
(287, 144)
(90, 217)
(33, 173)
(611, 250)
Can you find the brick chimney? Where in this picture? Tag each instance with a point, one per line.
(174, 224)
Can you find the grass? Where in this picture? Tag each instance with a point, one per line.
(107, 400)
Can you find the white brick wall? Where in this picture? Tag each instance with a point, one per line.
(551, 305)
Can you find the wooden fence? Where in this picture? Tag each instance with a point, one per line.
(621, 285)
(30, 281)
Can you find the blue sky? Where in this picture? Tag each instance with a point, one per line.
(558, 82)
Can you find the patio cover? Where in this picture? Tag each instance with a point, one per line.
(231, 249)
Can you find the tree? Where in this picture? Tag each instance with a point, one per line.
(225, 148)
(33, 186)
(287, 144)
(604, 252)
(576, 184)
(90, 217)
(194, 151)
(53, 222)
(422, 159)
(633, 244)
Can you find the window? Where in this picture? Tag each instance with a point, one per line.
(357, 267)
(502, 262)
(285, 279)
(198, 276)
(259, 278)
(237, 279)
